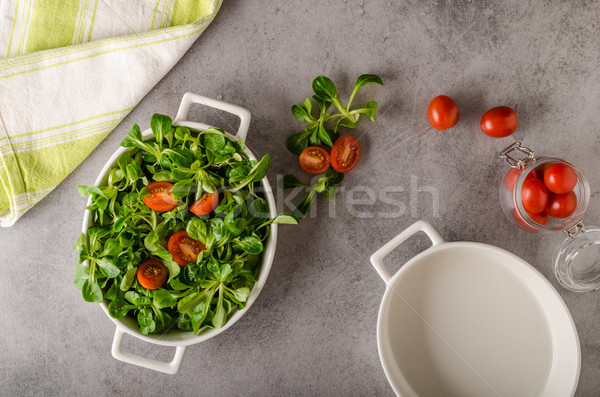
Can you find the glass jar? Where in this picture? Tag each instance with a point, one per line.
(576, 259)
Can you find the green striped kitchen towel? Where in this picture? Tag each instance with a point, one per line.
(70, 71)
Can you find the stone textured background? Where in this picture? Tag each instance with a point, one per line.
(312, 330)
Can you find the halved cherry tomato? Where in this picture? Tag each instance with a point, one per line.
(152, 274)
(534, 196)
(207, 203)
(314, 160)
(183, 248)
(442, 112)
(561, 205)
(345, 153)
(511, 177)
(160, 198)
(499, 122)
(560, 178)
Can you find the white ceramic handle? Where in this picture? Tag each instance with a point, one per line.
(190, 98)
(168, 368)
(419, 226)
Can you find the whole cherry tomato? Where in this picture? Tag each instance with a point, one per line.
(511, 177)
(499, 122)
(561, 205)
(534, 196)
(542, 169)
(560, 178)
(442, 112)
(541, 218)
(522, 224)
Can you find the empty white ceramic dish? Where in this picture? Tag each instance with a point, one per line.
(470, 319)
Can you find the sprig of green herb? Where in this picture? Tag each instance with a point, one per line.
(322, 130)
(326, 186)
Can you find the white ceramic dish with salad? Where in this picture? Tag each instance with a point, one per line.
(172, 336)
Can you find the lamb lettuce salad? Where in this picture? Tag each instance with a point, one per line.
(178, 231)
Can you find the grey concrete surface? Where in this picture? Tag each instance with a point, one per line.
(312, 329)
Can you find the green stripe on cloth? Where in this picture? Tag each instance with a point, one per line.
(53, 25)
(184, 12)
(93, 20)
(165, 14)
(23, 27)
(154, 15)
(56, 161)
(85, 8)
(12, 29)
(4, 200)
(52, 168)
(11, 177)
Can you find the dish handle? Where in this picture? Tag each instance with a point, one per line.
(190, 98)
(168, 368)
(419, 226)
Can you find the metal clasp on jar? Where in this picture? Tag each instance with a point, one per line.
(510, 154)
(575, 230)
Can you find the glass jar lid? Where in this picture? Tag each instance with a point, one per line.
(577, 259)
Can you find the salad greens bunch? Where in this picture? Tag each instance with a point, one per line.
(322, 130)
(125, 232)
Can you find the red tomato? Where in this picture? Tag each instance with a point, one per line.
(542, 169)
(152, 274)
(533, 174)
(442, 112)
(560, 178)
(160, 198)
(534, 196)
(499, 122)
(183, 248)
(314, 160)
(541, 218)
(207, 203)
(561, 205)
(511, 177)
(522, 224)
(345, 153)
